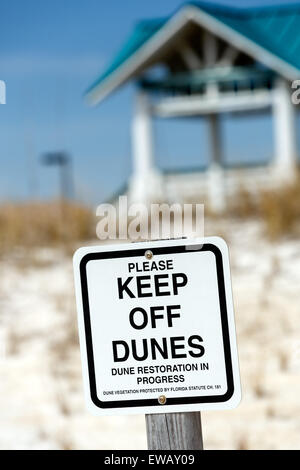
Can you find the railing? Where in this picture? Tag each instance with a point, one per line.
(232, 79)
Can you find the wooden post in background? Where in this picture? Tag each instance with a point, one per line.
(174, 431)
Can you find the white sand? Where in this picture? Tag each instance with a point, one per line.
(42, 406)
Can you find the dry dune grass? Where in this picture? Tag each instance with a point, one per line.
(39, 224)
(278, 209)
(62, 223)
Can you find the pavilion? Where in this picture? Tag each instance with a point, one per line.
(205, 60)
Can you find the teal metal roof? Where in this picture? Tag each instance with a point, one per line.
(274, 29)
(143, 31)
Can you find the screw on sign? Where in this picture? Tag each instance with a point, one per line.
(157, 334)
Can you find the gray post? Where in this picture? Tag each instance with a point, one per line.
(174, 431)
(216, 187)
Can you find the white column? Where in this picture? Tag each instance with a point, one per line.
(146, 181)
(285, 160)
(215, 174)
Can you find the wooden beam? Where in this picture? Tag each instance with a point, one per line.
(174, 431)
(229, 56)
(210, 49)
(190, 57)
(213, 103)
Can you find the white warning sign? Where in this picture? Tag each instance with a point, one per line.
(156, 327)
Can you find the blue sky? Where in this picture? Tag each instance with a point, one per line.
(50, 52)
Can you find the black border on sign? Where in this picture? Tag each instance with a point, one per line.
(224, 321)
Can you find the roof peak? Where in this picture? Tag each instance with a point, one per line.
(272, 39)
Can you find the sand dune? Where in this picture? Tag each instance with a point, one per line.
(41, 393)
